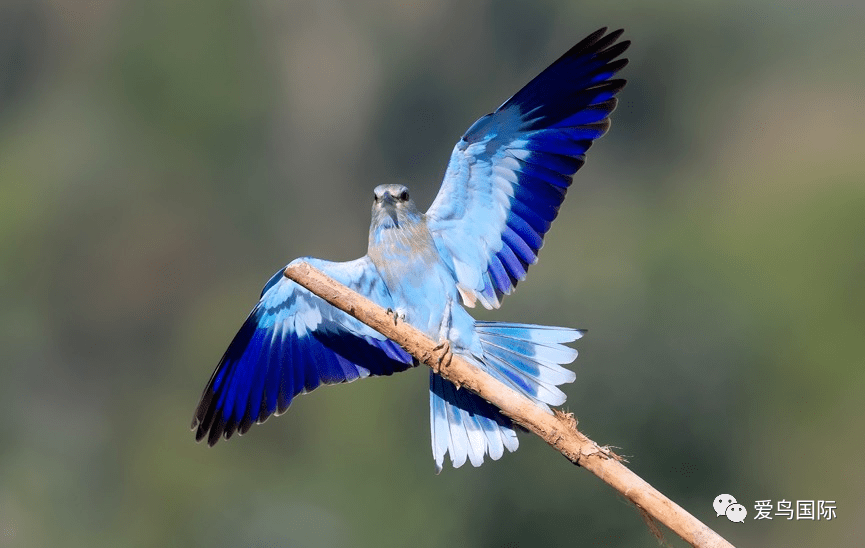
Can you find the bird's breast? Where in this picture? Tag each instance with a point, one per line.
(417, 279)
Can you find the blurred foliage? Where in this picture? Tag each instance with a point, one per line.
(159, 160)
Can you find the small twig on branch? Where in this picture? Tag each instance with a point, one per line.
(559, 430)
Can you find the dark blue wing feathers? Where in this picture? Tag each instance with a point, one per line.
(518, 246)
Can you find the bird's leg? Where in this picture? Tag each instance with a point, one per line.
(444, 347)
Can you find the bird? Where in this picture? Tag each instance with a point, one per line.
(505, 181)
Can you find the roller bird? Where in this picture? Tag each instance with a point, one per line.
(503, 186)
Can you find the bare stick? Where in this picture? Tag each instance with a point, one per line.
(558, 430)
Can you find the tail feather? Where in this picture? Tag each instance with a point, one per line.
(533, 367)
(527, 358)
(477, 441)
(519, 379)
(533, 354)
(546, 353)
(439, 426)
(465, 425)
(539, 334)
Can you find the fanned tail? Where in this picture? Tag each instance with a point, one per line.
(526, 358)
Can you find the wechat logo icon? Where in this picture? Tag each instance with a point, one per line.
(726, 505)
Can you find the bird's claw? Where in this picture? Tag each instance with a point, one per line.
(445, 355)
(396, 315)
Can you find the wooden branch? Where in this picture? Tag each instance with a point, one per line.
(558, 430)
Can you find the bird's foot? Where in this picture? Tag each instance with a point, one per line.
(396, 315)
(445, 355)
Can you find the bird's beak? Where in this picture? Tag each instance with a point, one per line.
(388, 203)
(390, 208)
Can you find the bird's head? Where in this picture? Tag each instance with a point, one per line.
(392, 207)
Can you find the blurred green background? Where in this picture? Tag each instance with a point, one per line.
(160, 159)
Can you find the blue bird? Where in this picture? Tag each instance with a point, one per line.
(505, 181)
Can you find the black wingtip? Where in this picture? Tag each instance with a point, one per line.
(616, 33)
(201, 409)
(597, 41)
(591, 39)
(204, 420)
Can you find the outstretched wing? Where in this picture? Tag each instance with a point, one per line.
(291, 343)
(509, 173)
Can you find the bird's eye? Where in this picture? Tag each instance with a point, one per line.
(403, 196)
(375, 197)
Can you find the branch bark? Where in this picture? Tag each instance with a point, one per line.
(558, 430)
